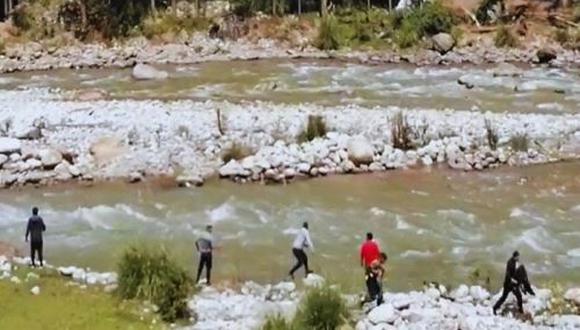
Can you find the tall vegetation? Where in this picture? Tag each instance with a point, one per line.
(427, 20)
(149, 274)
(316, 127)
(504, 37)
(323, 308)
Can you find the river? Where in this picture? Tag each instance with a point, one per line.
(435, 224)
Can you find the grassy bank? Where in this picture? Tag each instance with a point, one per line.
(63, 306)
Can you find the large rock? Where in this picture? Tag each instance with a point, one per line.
(360, 151)
(147, 72)
(384, 313)
(9, 145)
(546, 55)
(443, 42)
(50, 158)
(573, 295)
(106, 149)
(3, 159)
(314, 280)
(232, 169)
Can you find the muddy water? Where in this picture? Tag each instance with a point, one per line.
(539, 90)
(435, 225)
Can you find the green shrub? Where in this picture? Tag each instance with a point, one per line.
(329, 37)
(401, 132)
(22, 18)
(277, 322)
(428, 20)
(562, 36)
(520, 142)
(481, 278)
(504, 37)
(491, 135)
(149, 274)
(557, 305)
(316, 127)
(168, 22)
(235, 151)
(322, 309)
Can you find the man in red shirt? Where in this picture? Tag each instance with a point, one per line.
(369, 251)
(370, 255)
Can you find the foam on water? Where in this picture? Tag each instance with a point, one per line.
(537, 239)
(575, 253)
(221, 213)
(455, 214)
(416, 254)
(377, 212)
(11, 215)
(402, 224)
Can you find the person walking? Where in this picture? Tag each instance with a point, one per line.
(370, 253)
(204, 246)
(301, 242)
(34, 230)
(512, 283)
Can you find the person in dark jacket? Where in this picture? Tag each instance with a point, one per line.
(204, 246)
(34, 230)
(516, 279)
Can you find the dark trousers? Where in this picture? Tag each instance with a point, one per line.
(374, 287)
(205, 260)
(36, 249)
(506, 291)
(301, 259)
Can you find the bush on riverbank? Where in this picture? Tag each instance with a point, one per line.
(491, 135)
(558, 305)
(329, 34)
(504, 37)
(151, 275)
(322, 308)
(316, 127)
(168, 22)
(520, 142)
(277, 322)
(235, 151)
(423, 21)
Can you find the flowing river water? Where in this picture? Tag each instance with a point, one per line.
(436, 225)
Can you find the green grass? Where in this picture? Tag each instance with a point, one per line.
(322, 308)
(316, 127)
(59, 306)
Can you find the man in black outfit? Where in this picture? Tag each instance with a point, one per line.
(204, 246)
(34, 229)
(515, 277)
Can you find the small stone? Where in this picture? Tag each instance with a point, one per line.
(35, 290)
(9, 145)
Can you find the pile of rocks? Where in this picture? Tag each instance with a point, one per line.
(464, 308)
(33, 163)
(199, 48)
(79, 275)
(185, 50)
(132, 140)
(246, 309)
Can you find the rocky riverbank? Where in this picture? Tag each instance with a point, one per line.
(47, 139)
(466, 307)
(200, 48)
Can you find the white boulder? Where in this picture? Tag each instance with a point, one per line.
(9, 145)
(360, 151)
(314, 280)
(35, 290)
(49, 157)
(147, 72)
(384, 313)
(573, 295)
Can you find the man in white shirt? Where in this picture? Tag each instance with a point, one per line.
(301, 242)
